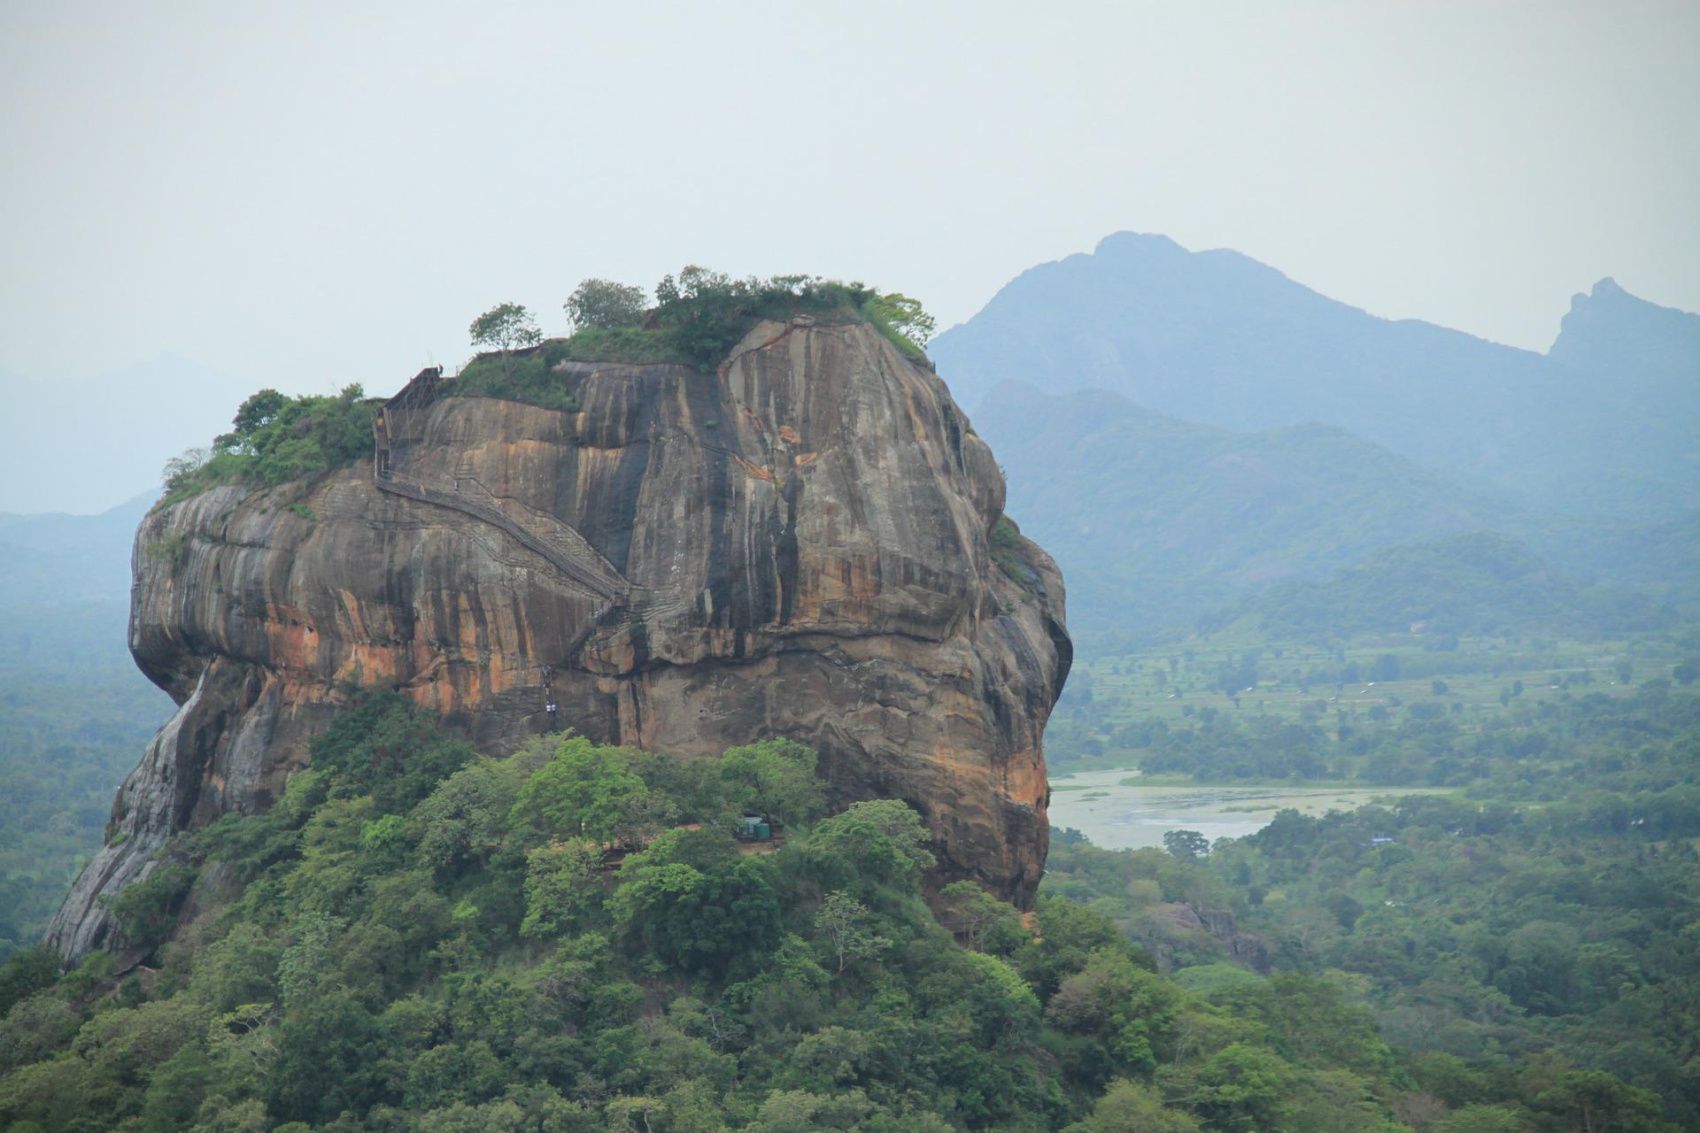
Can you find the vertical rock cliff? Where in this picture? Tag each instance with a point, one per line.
(796, 545)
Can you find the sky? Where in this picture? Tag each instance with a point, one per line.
(202, 199)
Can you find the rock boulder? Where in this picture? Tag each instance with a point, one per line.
(798, 545)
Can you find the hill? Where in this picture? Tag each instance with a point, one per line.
(798, 545)
(58, 558)
(571, 940)
(1636, 399)
(1157, 520)
(1476, 584)
(1607, 423)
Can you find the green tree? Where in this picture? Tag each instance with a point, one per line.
(1596, 1102)
(992, 995)
(1128, 1107)
(902, 314)
(776, 779)
(605, 304)
(329, 1058)
(798, 1111)
(505, 327)
(562, 886)
(26, 972)
(1187, 845)
(847, 927)
(386, 747)
(146, 910)
(981, 920)
(453, 1072)
(881, 841)
(1130, 1010)
(1482, 1119)
(584, 791)
(1384, 668)
(1241, 1089)
(1069, 934)
(258, 411)
(694, 902)
(239, 969)
(464, 821)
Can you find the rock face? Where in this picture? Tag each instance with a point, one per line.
(794, 546)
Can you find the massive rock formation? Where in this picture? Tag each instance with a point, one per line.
(795, 546)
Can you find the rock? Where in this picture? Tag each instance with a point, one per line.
(1177, 916)
(1244, 948)
(1251, 951)
(794, 546)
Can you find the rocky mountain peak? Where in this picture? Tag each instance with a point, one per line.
(797, 545)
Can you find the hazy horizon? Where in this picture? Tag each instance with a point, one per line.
(317, 196)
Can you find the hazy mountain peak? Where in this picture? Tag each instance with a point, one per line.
(1614, 333)
(1151, 250)
(1219, 338)
(1140, 243)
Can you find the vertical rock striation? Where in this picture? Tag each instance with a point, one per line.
(794, 546)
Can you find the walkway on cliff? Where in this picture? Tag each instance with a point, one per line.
(538, 531)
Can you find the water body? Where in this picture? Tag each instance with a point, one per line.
(1119, 816)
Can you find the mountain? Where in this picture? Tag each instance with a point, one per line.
(65, 596)
(1633, 434)
(1157, 520)
(1599, 425)
(56, 558)
(1479, 584)
(1611, 332)
(798, 544)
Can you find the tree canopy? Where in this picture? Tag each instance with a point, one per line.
(604, 304)
(505, 327)
(569, 938)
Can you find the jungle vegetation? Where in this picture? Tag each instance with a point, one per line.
(570, 938)
(698, 316)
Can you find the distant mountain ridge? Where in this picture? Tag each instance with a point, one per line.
(1596, 425)
(65, 597)
(53, 558)
(1478, 583)
(1158, 520)
(1633, 429)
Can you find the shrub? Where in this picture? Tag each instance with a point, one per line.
(277, 438)
(525, 376)
(1009, 551)
(386, 747)
(699, 315)
(603, 304)
(147, 910)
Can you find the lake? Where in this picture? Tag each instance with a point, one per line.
(1102, 806)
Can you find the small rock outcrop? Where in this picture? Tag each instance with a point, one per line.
(796, 545)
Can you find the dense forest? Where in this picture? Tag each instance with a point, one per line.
(573, 937)
(75, 714)
(59, 764)
(1545, 919)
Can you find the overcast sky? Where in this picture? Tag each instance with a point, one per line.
(305, 195)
